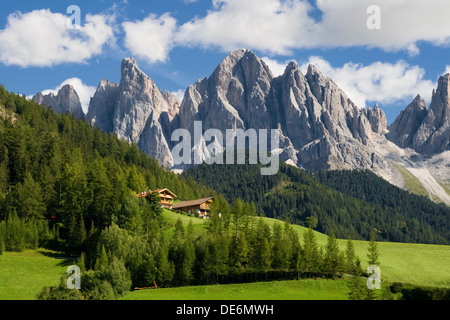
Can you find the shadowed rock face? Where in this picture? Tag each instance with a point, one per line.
(67, 100)
(316, 121)
(135, 110)
(318, 125)
(404, 128)
(425, 130)
(102, 106)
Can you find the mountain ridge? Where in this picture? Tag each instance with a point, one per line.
(320, 127)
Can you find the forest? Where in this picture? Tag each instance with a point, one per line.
(68, 187)
(349, 203)
(71, 188)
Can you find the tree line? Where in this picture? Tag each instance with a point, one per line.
(237, 247)
(352, 203)
(69, 187)
(62, 181)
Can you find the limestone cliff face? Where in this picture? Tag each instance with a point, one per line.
(67, 100)
(324, 125)
(317, 123)
(425, 130)
(102, 106)
(135, 110)
(433, 135)
(404, 128)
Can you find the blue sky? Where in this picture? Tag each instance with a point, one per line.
(177, 42)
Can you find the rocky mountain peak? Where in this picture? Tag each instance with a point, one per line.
(66, 100)
(377, 119)
(425, 130)
(433, 135)
(443, 88)
(405, 126)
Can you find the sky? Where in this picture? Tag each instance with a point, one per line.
(381, 52)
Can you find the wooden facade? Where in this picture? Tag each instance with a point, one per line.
(201, 207)
(167, 197)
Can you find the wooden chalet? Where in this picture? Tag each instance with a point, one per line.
(202, 207)
(167, 197)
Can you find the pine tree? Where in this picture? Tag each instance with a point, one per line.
(350, 255)
(373, 260)
(261, 255)
(76, 237)
(311, 256)
(374, 253)
(357, 287)
(239, 252)
(2, 245)
(278, 248)
(331, 262)
(165, 268)
(237, 213)
(82, 262)
(102, 260)
(27, 199)
(187, 269)
(101, 204)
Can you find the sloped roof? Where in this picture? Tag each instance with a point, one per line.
(191, 203)
(165, 189)
(143, 194)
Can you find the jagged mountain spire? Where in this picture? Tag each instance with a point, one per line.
(425, 130)
(66, 100)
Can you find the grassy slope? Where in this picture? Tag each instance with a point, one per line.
(24, 274)
(408, 263)
(419, 264)
(277, 290)
(412, 184)
(399, 262)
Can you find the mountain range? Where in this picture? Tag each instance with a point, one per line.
(320, 128)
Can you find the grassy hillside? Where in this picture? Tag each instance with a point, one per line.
(419, 264)
(24, 274)
(350, 203)
(276, 290)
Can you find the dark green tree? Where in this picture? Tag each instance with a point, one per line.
(331, 259)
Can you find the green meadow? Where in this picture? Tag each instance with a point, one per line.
(274, 290)
(24, 274)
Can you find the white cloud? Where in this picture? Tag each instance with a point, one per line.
(447, 69)
(41, 38)
(152, 38)
(379, 82)
(281, 26)
(276, 66)
(271, 26)
(403, 24)
(85, 92)
(278, 27)
(179, 94)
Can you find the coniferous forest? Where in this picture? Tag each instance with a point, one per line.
(349, 203)
(71, 188)
(68, 187)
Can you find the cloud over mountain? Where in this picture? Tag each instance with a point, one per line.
(41, 38)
